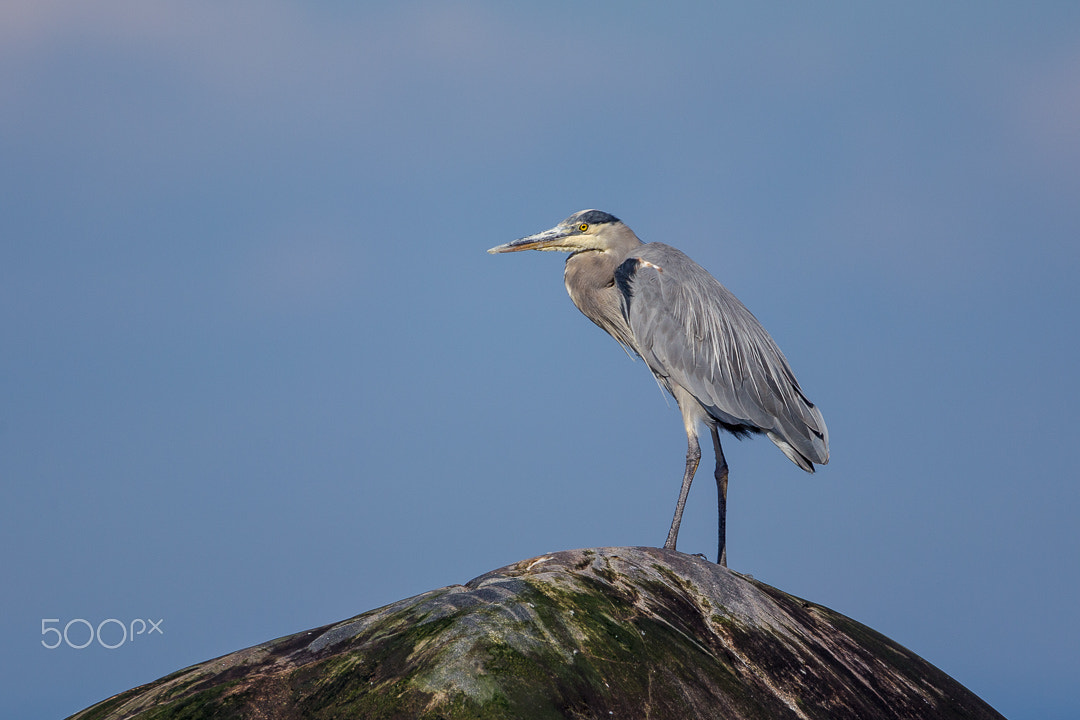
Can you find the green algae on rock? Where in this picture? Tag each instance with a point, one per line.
(601, 633)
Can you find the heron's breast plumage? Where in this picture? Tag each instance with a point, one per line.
(590, 282)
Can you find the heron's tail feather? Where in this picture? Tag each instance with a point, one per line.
(794, 455)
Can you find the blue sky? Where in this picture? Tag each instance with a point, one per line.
(257, 373)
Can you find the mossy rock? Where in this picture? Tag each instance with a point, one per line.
(602, 633)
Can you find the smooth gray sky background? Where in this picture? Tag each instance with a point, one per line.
(257, 373)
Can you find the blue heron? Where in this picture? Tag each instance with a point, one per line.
(701, 343)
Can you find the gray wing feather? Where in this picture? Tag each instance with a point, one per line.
(693, 332)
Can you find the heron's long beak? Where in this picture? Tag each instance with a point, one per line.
(552, 239)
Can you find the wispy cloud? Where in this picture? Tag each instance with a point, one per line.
(1046, 101)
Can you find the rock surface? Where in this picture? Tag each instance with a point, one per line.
(601, 633)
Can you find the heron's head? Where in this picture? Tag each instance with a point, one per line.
(585, 230)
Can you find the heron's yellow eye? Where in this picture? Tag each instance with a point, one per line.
(583, 227)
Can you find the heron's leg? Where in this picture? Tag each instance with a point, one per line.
(693, 457)
(721, 475)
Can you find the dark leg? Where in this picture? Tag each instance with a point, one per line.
(693, 457)
(721, 497)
